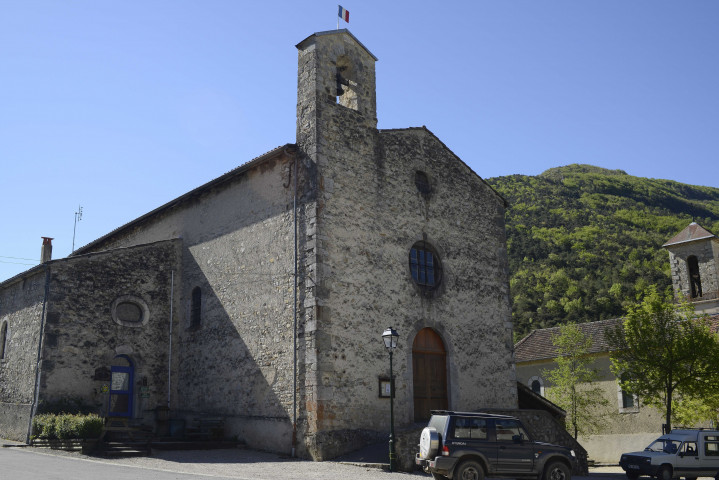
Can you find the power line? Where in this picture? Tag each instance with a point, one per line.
(18, 263)
(16, 258)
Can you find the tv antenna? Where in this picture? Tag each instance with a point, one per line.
(78, 217)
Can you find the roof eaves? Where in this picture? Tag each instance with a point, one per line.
(289, 148)
(336, 32)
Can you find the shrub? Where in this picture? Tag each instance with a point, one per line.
(90, 426)
(43, 426)
(64, 426)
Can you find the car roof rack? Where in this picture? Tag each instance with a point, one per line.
(470, 414)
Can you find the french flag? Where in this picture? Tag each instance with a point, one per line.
(344, 14)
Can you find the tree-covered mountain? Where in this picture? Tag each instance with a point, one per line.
(585, 241)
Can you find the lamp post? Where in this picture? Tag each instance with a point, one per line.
(390, 337)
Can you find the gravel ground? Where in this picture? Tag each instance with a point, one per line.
(253, 465)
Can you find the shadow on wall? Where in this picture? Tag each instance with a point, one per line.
(236, 364)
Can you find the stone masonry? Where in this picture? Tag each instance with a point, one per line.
(359, 200)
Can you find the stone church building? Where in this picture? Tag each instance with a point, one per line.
(261, 296)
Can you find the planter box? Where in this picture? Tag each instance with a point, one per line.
(70, 445)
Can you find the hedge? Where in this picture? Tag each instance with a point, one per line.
(65, 425)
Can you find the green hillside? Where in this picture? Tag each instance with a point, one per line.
(584, 241)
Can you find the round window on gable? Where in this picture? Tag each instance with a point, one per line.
(422, 182)
(130, 311)
(425, 266)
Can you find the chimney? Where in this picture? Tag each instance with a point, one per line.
(46, 252)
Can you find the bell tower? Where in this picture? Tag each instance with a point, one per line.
(694, 262)
(337, 138)
(336, 98)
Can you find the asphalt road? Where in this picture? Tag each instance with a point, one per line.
(29, 463)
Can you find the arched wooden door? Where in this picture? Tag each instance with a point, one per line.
(429, 364)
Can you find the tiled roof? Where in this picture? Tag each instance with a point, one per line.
(538, 345)
(690, 234)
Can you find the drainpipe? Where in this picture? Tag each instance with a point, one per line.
(169, 357)
(36, 392)
(294, 330)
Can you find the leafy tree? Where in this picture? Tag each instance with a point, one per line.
(663, 351)
(572, 380)
(691, 411)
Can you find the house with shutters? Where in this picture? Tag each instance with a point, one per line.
(261, 296)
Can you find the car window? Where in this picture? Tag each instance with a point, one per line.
(438, 422)
(689, 448)
(467, 427)
(506, 429)
(664, 445)
(711, 445)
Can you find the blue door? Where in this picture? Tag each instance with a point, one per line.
(121, 387)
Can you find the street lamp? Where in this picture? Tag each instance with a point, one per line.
(390, 337)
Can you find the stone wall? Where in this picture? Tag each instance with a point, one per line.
(369, 213)
(83, 333)
(238, 250)
(707, 253)
(21, 305)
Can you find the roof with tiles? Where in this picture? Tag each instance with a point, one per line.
(692, 233)
(538, 345)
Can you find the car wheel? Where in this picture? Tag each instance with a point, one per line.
(557, 471)
(428, 443)
(469, 470)
(665, 473)
(632, 475)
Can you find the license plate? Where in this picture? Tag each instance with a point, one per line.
(633, 467)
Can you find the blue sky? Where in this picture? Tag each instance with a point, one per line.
(121, 106)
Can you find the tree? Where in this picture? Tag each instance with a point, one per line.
(663, 351)
(572, 379)
(691, 411)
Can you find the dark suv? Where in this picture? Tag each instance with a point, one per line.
(468, 446)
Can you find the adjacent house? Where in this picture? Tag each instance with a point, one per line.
(261, 296)
(628, 424)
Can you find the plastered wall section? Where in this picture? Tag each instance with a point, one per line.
(238, 249)
(622, 428)
(82, 337)
(21, 303)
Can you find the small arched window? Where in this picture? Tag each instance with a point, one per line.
(536, 384)
(3, 340)
(196, 308)
(694, 277)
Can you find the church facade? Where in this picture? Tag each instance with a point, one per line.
(261, 296)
